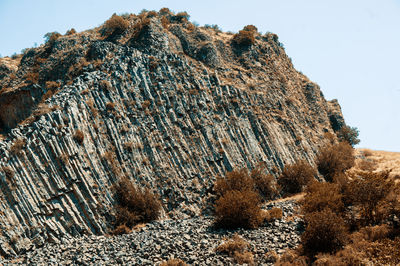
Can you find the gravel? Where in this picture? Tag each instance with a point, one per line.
(193, 240)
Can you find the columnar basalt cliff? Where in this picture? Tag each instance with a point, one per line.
(163, 102)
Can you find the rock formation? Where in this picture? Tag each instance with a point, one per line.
(165, 103)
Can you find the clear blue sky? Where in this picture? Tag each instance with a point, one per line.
(351, 48)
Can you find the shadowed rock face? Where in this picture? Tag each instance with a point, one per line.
(175, 123)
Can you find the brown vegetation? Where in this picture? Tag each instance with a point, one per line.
(134, 205)
(237, 248)
(325, 232)
(238, 209)
(294, 177)
(245, 37)
(335, 159)
(17, 146)
(115, 25)
(79, 137)
(265, 183)
(173, 262)
(353, 221)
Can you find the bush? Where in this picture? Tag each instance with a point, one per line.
(173, 262)
(236, 209)
(349, 135)
(70, 32)
(79, 137)
(110, 106)
(245, 37)
(52, 85)
(181, 17)
(17, 146)
(320, 196)
(366, 190)
(115, 25)
(325, 232)
(239, 180)
(105, 85)
(237, 248)
(134, 205)
(334, 159)
(51, 37)
(273, 214)
(265, 183)
(294, 177)
(9, 174)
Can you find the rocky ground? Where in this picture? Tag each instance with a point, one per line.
(192, 240)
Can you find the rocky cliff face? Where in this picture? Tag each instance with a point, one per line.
(170, 107)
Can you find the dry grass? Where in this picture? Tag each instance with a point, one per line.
(382, 160)
(237, 248)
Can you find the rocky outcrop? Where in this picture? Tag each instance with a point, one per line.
(159, 117)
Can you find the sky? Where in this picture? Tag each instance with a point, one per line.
(351, 48)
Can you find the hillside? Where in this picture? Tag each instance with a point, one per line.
(153, 98)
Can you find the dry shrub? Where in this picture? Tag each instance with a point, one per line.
(366, 190)
(105, 85)
(32, 77)
(9, 174)
(292, 257)
(70, 32)
(128, 146)
(367, 165)
(181, 17)
(153, 63)
(265, 183)
(110, 106)
(121, 229)
(115, 25)
(165, 11)
(17, 146)
(134, 205)
(165, 22)
(245, 37)
(237, 248)
(294, 177)
(52, 85)
(320, 196)
(140, 26)
(173, 262)
(342, 258)
(79, 137)
(239, 180)
(271, 256)
(93, 110)
(235, 209)
(110, 158)
(251, 28)
(245, 257)
(325, 232)
(273, 214)
(51, 37)
(334, 159)
(367, 153)
(374, 233)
